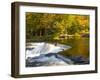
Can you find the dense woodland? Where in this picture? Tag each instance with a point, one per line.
(55, 26)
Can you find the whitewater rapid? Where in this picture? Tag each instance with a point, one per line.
(36, 49)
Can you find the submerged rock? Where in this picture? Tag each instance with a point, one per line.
(79, 60)
(50, 59)
(53, 59)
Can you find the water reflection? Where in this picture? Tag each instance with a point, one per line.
(80, 47)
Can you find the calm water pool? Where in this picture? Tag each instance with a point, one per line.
(80, 47)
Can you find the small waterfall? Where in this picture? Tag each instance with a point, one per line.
(45, 48)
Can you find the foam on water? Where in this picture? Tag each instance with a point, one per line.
(44, 48)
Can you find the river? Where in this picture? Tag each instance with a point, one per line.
(68, 51)
(80, 47)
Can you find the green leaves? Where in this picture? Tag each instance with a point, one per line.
(54, 25)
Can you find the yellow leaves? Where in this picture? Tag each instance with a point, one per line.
(59, 23)
(83, 20)
(56, 38)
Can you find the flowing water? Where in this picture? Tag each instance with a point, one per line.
(36, 49)
(79, 47)
(70, 51)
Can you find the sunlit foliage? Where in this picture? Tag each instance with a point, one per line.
(55, 25)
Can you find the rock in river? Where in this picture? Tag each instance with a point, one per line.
(50, 59)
